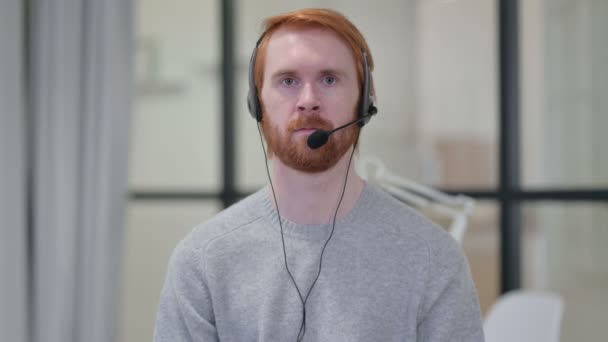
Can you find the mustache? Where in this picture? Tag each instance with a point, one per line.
(308, 121)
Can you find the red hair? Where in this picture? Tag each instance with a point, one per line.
(315, 17)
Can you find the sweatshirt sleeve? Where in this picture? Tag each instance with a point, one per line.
(185, 311)
(450, 308)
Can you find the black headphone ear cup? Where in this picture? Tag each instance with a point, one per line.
(249, 107)
(364, 107)
(253, 105)
(371, 108)
(253, 101)
(367, 103)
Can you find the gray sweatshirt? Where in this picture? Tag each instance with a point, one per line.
(388, 274)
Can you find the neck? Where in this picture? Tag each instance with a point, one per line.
(312, 198)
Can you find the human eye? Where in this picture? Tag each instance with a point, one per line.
(329, 80)
(288, 81)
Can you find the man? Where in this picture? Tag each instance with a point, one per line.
(319, 254)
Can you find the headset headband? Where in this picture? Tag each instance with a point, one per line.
(366, 107)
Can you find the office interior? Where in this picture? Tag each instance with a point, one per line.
(502, 101)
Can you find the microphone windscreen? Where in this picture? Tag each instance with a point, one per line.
(317, 139)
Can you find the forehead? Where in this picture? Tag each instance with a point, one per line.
(302, 48)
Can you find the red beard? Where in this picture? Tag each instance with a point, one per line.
(294, 152)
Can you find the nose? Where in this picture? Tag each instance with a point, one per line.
(308, 102)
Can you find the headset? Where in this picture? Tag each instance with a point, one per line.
(366, 109)
(367, 102)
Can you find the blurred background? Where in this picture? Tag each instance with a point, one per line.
(505, 101)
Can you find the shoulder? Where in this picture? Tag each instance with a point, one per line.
(404, 220)
(406, 223)
(239, 216)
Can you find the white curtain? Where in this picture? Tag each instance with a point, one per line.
(13, 232)
(80, 111)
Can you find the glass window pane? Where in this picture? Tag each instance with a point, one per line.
(564, 250)
(452, 109)
(177, 97)
(481, 245)
(436, 88)
(153, 230)
(564, 85)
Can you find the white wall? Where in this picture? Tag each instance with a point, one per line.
(456, 61)
(177, 106)
(456, 103)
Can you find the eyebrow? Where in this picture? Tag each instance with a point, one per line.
(290, 72)
(282, 73)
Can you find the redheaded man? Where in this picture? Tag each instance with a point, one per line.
(318, 254)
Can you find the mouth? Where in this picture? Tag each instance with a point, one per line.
(305, 130)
